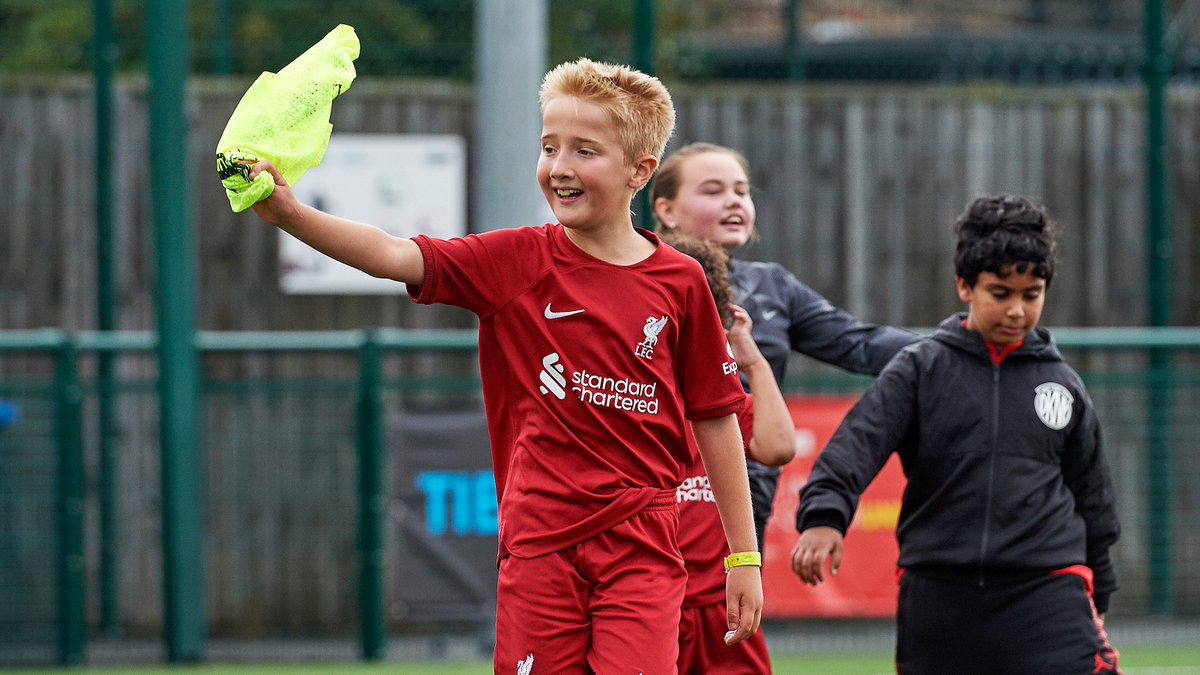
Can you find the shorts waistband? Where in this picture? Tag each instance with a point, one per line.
(663, 501)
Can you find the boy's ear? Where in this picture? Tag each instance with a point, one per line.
(643, 169)
(964, 291)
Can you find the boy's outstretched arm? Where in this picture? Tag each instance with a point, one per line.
(720, 445)
(365, 247)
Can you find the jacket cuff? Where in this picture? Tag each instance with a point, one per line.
(823, 518)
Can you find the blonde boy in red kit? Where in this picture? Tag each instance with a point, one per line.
(598, 346)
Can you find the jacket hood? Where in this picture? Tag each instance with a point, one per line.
(1039, 344)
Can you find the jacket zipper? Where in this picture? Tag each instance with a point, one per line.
(987, 507)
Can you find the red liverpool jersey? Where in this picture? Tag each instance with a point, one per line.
(701, 537)
(589, 372)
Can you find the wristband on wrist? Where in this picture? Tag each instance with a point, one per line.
(748, 559)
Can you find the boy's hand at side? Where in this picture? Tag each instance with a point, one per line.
(743, 602)
(816, 545)
(720, 444)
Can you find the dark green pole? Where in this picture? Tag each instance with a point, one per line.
(643, 60)
(1037, 12)
(1158, 302)
(221, 47)
(372, 503)
(795, 47)
(182, 537)
(105, 47)
(69, 432)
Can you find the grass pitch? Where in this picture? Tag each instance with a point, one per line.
(1156, 660)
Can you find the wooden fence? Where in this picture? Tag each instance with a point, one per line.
(856, 190)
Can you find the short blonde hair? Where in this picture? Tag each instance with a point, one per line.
(639, 104)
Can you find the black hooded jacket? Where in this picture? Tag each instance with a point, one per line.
(1006, 472)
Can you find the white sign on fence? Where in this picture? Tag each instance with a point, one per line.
(403, 184)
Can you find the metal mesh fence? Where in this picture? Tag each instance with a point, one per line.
(280, 515)
(280, 468)
(29, 628)
(861, 40)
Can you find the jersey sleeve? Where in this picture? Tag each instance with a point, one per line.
(745, 417)
(1086, 475)
(822, 331)
(705, 367)
(478, 272)
(874, 428)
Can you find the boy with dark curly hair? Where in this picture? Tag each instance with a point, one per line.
(1008, 517)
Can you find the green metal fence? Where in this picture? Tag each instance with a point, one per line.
(297, 441)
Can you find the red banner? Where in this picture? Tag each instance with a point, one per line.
(865, 585)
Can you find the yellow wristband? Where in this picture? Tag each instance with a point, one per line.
(749, 559)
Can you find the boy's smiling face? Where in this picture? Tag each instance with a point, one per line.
(582, 169)
(1004, 309)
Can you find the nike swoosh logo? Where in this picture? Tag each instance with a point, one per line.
(769, 314)
(551, 314)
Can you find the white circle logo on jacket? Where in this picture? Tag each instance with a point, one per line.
(1053, 404)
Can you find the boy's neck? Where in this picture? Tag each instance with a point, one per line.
(997, 352)
(617, 246)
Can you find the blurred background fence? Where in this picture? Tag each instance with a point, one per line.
(868, 125)
(1025, 41)
(856, 188)
(346, 499)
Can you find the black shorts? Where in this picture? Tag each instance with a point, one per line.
(1040, 625)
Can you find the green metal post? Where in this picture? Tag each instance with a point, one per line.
(105, 48)
(795, 54)
(1158, 301)
(179, 384)
(372, 503)
(643, 60)
(69, 432)
(221, 46)
(1037, 12)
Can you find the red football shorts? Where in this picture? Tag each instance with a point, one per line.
(609, 604)
(702, 648)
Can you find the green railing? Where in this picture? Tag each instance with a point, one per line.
(66, 392)
(66, 383)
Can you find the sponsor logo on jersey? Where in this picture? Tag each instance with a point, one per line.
(1053, 404)
(604, 391)
(729, 367)
(552, 378)
(694, 489)
(617, 393)
(653, 327)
